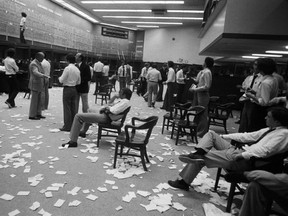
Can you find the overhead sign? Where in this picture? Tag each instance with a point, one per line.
(114, 32)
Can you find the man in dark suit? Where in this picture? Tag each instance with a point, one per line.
(36, 85)
(83, 87)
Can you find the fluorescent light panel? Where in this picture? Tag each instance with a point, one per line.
(134, 29)
(277, 52)
(267, 55)
(185, 11)
(286, 47)
(250, 57)
(152, 17)
(147, 26)
(132, 2)
(120, 10)
(77, 11)
(156, 23)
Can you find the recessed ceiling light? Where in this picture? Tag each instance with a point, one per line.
(286, 47)
(75, 10)
(250, 57)
(120, 10)
(277, 52)
(152, 17)
(132, 2)
(147, 26)
(156, 23)
(267, 55)
(185, 11)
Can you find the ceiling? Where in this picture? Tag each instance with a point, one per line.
(228, 49)
(158, 10)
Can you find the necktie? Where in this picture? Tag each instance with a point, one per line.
(253, 80)
(123, 71)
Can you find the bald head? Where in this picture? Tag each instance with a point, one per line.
(39, 56)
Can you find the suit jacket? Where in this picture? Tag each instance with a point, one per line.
(36, 80)
(85, 74)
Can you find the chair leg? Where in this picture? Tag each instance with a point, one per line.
(163, 125)
(173, 127)
(224, 122)
(217, 179)
(99, 135)
(177, 136)
(142, 152)
(230, 196)
(115, 155)
(146, 156)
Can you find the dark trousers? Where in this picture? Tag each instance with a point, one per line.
(142, 86)
(35, 104)
(169, 99)
(22, 39)
(160, 92)
(13, 89)
(70, 95)
(180, 92)
(98, 80)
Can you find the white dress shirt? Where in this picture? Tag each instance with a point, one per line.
(46, 67)
(10, 66)
(120, 106)
(273, 143)
(70, 76)
(98, 66)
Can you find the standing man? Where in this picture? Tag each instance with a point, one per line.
(203, 83)
(36, 85)
(69, 78)
(22, 27)
(45, 95)
(105, 73)
(163, 71)
(83, 88)
(129, 73)
(11, 69)
(122, 71)
(153, 78)
(98, 69)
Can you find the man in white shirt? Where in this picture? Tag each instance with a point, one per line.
(70, 78)
(122, 74)
(22, 27)
(82, 121)
(11, 69)
(266, 142)
(98, 70)
(45, 94)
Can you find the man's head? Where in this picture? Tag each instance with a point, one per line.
(23, 14)
(79, 57)
(125, 93)
(170, 64)
(266, 66)
(10, 52)
(209, 62)
(39, 56)
(277, 116)
(70, 58)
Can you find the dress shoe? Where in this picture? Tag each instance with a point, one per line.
(70, 144)
(9, 105)
(181, 184)
(34, 118)
(191, 158)
(40, 116)
(82, 134)
(64, 129)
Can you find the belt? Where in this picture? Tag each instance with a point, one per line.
(69, 86)
(153, 81)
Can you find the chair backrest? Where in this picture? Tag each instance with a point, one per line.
(180, 110)
(107, 88)
(195, 111)
(225, 109)
(213, 102)
(148, 125)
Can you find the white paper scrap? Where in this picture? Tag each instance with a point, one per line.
(74, 203)
(48, 194)
(119, 208)
(143, 193)
(109, 182)
(178, 206)
(35, 206)
(61, 172)
(13, 213)
(74, 191)
(102, 189)
(23, 193)
(59, 203)
(7, 197)
(212, 210)
(92, 197)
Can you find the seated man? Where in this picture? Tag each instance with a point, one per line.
(105, 115)
(266, 142)
(262, 190)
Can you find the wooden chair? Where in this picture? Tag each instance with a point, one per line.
(273, 164)
(220, 115)
(174, 113)
(132, 139)
(112, 129)
(104, 93)
(213, 103)
(190, 121)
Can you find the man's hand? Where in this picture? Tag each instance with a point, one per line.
(238, 157)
